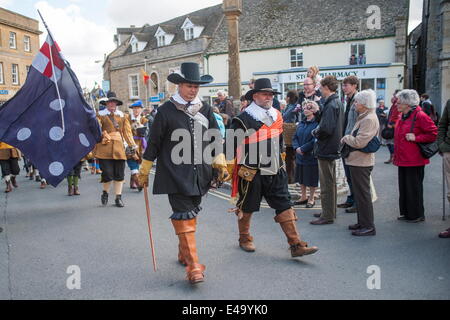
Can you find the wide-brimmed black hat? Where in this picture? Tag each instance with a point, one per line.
(189, 73)
(261, 85)
(111, 97)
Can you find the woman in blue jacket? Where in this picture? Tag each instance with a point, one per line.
(307, 170)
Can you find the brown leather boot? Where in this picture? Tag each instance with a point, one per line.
(70, 191)
(185, 229)
(14, 182)
(287, 221)
(76, 191)
(8, 187)
(245, 239)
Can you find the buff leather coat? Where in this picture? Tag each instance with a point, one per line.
(7, 152)
(113, 149)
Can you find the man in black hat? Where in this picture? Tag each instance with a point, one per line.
(188, 180)
(259, 170)
(111, 151)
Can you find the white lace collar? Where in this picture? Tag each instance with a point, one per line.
(180, 100)
(259, 113)
(133, 118)
(106, 112)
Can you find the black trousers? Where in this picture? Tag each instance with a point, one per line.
(273, 188)
(410, 184)
(363, 196)
(184, 207)
(112, 170)
(10, 166)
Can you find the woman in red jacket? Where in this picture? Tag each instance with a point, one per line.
(407, 156)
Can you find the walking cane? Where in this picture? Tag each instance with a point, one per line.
(443, 191)
(147, 207)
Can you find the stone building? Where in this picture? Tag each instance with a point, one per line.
(434, 52)
(158, 50)
(279, 39)
(19, 43)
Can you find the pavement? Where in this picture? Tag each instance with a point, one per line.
(47, 235)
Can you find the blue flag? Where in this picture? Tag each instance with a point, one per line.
(48, 119)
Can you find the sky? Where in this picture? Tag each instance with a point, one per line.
(84, 29)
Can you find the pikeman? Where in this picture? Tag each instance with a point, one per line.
(138, 127)
(111, 151)
(259, 170)
(9, 161)
(188, 180)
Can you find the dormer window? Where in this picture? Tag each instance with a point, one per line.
(137, 45)
(189, 34)
(164, 38)
(191, 30)
(161, 41)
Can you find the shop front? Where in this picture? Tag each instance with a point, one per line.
(383, 78)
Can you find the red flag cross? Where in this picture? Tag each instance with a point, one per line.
(49, 52)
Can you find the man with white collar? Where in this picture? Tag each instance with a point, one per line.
(139, 129)
(187, 182)
(111, 151)
(259, 170)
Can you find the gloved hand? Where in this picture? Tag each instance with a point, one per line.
(230, 169)
(144, 171)
(283, 156)
(220, 163)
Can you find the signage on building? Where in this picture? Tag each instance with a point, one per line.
(106, 86)
(4, 92)
(368, 73)
(155, 99)
(161, 95)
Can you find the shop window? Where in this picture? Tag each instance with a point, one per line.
(367, 84)
(381, 89)
(296, 58)
(357, 54)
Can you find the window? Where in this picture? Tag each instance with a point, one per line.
(357, 54)
(28, 69)
(15, 74)
(12, 40)
(27, 43)
(367, 84)
(161, 41)
(296, 58)
(2, 80)
(135, 47)
(134, 86)
(381, 89)
(189, 34)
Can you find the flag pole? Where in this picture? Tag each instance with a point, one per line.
(53, 71)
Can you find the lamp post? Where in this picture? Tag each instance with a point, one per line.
(232, 10)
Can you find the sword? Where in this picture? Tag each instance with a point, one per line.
(147, 207)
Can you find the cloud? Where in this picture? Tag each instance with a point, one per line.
(82, 41)
(124, 13)
(5, 3)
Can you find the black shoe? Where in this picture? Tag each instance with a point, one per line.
(310, 205)
(364, 232)
(421, 219)
(345, 205)
(354, 227)
(104, 198)
(300, 203)
(351, 210)
(119, 202)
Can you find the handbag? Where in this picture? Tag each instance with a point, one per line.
(388, 133)
(427, 150)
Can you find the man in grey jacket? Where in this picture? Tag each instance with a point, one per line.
(350, 87)
(329, 134)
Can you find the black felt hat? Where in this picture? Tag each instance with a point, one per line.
(261, 85)
(111, 97)
(189, 73)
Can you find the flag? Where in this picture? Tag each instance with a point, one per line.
(145, 76)
(48, 119)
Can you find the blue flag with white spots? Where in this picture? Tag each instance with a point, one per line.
(49, 119)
